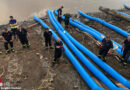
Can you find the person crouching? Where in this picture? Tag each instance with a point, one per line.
(106, 48)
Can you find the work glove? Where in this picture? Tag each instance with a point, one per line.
(108, 54)
(61, 46)
(99, 45)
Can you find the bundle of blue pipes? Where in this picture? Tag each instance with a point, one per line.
(93, 32)
(81, 57)
(91, 83)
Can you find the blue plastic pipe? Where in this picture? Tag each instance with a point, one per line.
(93, 32)
(83, 59)
(115, 28)
(101, 35)
(92, 84)
(126, 6)
(97, 60)
(125, 14)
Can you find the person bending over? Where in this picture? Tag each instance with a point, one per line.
(105, 48)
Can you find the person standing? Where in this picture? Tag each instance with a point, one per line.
(13, 25)
(58, 51)
(8, 39)
(22, 34)
(60, 14)
(105, 48)
(48, 37)
(0, 48)
(126, 52)
(67, 17)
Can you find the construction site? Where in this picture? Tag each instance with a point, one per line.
(30, 69)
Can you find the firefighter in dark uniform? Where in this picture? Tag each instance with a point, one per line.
(48, 37)
(60, 14)
(126, 52)
(13, 25)
(67, 17)
(0, 48)
(22, 34)
(7, 37)
(105, 48)
(58, 51)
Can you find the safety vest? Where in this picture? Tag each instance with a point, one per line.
(12, 27)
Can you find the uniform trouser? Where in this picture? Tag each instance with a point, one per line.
(58, 54)
(59, 19)
(103, 52)
(66, 23)
(14, 31)
(126, 55)
(48, 41)
(24, 41)
(6, 45)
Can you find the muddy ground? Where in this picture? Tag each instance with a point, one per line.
(30, 69)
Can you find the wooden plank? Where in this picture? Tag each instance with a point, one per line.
(99, 84)
(121, 85)
(114, 13)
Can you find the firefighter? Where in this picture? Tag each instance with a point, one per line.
(67, 17)
(60, 14)
(58, 51)
(22, 34)
(126, 52)
(13, 24)
(0, 49)
(48, 38)
(105, 48)
(7, 37)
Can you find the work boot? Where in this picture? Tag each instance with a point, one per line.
(0, 52)
(58, 61)
(24, 46)
(46, 48)
(12, 49)
(125, 65)
(104, 59)
(53, 64)
(122, 60)
(28, 46)
(51, 47)
(7, 51)
(99, 56)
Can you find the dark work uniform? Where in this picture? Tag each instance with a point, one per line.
(58, 51)
(47, 36)
(7, 36)
(23, 36)
(105, 47)
(126, 52)
(67, 17)
(13, 28)
(59, 15)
